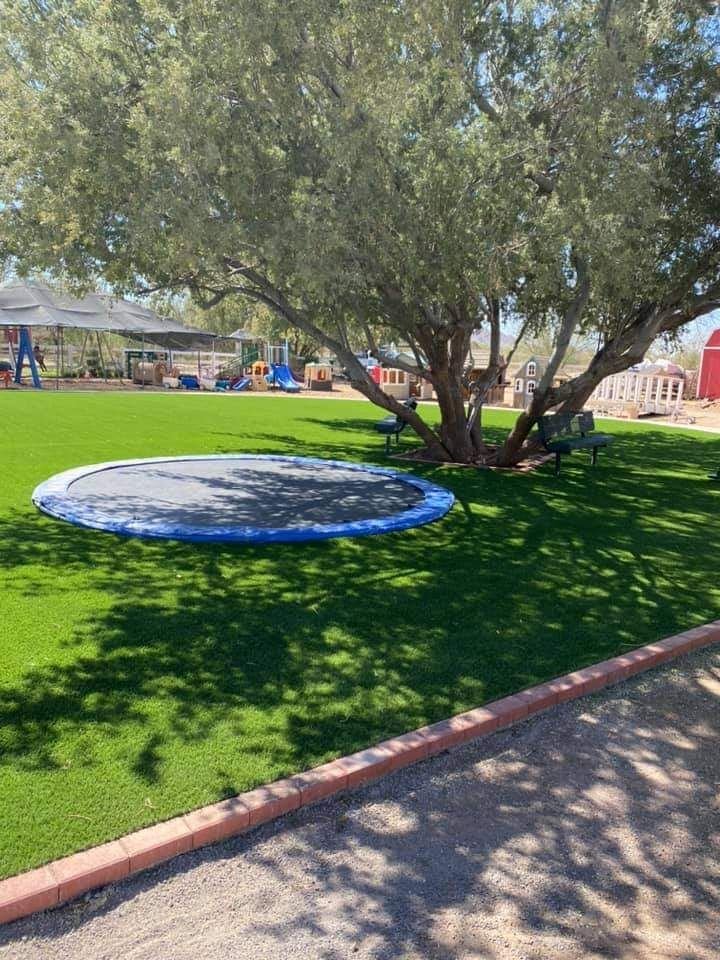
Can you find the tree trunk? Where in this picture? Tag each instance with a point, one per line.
(545, 396)
(514, 449)
(571, 397)
(453, 420)
(433, 443)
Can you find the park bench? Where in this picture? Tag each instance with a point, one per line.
(393, 425)
(564, 432)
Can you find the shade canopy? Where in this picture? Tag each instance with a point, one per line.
(36, 305)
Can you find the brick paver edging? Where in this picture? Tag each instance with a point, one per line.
(66, 879)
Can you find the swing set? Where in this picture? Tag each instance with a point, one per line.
(24, 355)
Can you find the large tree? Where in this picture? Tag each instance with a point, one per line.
(372, 170)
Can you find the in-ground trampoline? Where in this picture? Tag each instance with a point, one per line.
(241, 498)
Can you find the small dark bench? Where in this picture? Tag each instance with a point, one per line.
(393, 426)
(564, 432)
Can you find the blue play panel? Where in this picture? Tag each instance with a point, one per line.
(241, 498)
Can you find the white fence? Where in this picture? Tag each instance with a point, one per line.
(635, 393)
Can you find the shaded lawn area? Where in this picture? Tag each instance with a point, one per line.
(141, 679)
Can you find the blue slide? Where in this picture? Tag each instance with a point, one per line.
(282, 377)
(242, 384)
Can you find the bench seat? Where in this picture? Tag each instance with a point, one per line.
(561, 433)
(393, 426)
(579, 443)
(390, 425)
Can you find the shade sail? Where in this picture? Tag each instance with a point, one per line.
(35, 305)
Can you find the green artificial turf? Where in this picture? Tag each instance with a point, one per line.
(141, 679)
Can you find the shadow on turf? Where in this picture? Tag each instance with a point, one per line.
(263, 495)
(540, 839)
(489, 599)
(343, 643)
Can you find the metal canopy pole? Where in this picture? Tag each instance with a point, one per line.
(100, 354)
(57, 358)
(84, 347)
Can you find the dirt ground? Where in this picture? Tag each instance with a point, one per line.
(706, 415)
(590, 832)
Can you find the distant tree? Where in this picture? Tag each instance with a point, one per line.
(379, 171)
(233, 313)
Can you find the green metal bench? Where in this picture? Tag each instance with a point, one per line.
(393, 426)
(561, 433)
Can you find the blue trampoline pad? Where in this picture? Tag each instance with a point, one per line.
(241, 498)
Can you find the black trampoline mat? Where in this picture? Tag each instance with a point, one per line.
(265, 494)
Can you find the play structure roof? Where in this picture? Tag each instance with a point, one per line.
(246, 336)
(36, 305)
(663, 368)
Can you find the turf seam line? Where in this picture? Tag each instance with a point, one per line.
(70, 877)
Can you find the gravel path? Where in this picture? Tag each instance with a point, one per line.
(590, 832)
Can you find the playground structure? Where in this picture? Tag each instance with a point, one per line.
(145, 371)
(165, 354)
(646, 389)
(29, 306)
(255, 369)
(395, 382)
(281, 377)
(420, 388)
(24, 355)
(318, 376)
(478, 363)
(258, 373)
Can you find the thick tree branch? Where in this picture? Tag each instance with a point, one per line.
(261, 288)
(568, 325)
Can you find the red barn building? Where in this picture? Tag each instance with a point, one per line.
(709, 373)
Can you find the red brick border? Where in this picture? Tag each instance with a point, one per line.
(72, 876)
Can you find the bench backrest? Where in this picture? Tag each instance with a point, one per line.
(392, 422)
(412, 405)
(566, 424)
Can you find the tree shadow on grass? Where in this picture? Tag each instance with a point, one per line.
(586, 830)
(336, 444)
(259, 661)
